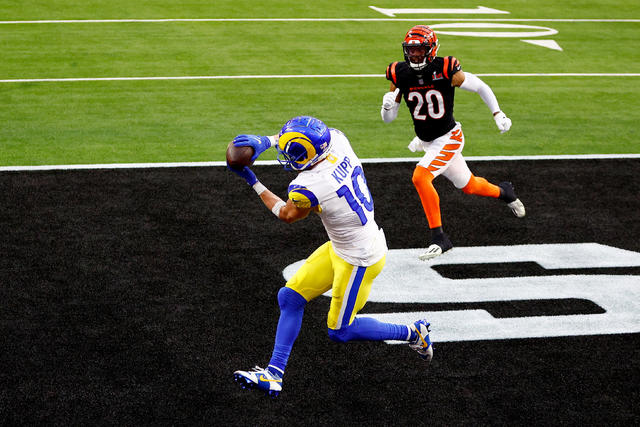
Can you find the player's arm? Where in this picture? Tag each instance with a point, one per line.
(390, 104)
(285, 211)
(470, 82)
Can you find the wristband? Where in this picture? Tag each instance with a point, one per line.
(277, 207)
(259, 188)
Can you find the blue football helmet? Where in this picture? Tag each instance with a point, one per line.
(303, 142)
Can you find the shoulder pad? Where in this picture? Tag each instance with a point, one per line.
(391, 73)
(302, 197)
(399, 72)
(451, 66)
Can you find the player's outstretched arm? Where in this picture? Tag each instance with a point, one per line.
(470, 82)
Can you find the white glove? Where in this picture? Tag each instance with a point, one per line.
(389, 100)
(416, 144)
(389, 109)
(502, 121)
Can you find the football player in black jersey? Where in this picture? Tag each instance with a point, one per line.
(427, 83)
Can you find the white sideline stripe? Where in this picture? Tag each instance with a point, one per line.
(430, 19)
(274, 76)
(275, 162)
(300, 76)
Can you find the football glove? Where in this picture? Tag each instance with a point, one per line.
(259, 143)
(389, 109)
(245, 173)
(389, 100)
(416, 144)
(502, 121)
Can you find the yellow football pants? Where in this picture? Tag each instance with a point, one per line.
(350, 284)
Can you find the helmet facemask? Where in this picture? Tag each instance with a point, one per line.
(420, 47)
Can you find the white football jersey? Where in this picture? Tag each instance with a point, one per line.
(338, 186)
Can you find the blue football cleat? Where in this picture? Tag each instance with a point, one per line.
(263, 379)
(422, 342)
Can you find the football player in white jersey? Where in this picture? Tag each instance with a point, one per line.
(330, 183)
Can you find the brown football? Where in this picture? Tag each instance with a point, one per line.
(239, 157)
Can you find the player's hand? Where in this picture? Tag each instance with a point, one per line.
(259, 143)
(245, 173)
(502, 121)
(389, 99)
(416, 144)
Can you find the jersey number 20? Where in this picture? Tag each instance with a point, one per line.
(357, 201)
(435, 104)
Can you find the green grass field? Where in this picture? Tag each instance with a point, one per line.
(77, 122)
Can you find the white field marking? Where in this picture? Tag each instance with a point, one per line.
(299, 76)
(549, 44)
(537, 31)
(273, 76)
(107, 21)
(477, 10)
(275, 162)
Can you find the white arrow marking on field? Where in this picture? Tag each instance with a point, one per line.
(479, 9)
(461, 29)
(551, 44)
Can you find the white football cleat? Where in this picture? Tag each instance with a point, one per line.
(432, 252)
(517, 208)
(440, 245)
(263, 379)
(508, 194)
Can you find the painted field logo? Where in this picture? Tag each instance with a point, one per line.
(405, 279)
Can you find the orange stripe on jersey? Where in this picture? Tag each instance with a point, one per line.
(456, 135)
(437, 163)
(391, 72)
(451, 147)
(445, 155)
(432, 168)
(445, 68)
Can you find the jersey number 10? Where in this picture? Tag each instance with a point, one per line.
(357, 201)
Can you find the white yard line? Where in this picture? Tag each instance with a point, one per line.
(429, 19)
(274, 162)
(300, 76)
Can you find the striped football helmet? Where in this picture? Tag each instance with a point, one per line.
(303, 142)
(420, 47)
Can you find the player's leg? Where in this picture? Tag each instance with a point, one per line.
(423, 181)
(460, 175)
(313, 278)
(437, 159)
(351, 288)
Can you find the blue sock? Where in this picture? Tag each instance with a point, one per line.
(370, 329)
(291, 311)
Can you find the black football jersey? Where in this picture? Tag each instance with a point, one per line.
(429, 95)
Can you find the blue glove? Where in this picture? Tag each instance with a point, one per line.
(245, 173)
(259, 143)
